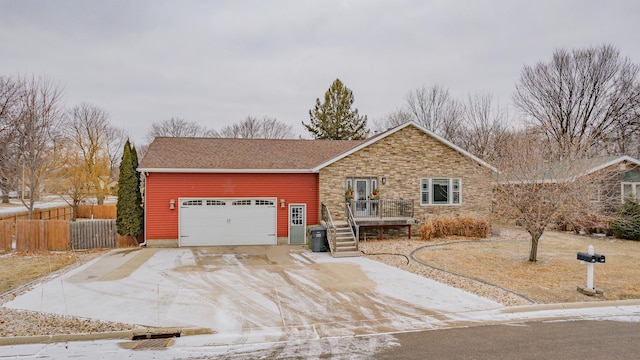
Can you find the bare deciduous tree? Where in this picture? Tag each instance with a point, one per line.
(485, 126)
(580, 97)
(36, 128)
(9, 154)
(536, 190)
(176, 127)
(93, 144)
(397, 117)
(434, 109)
(252, 128)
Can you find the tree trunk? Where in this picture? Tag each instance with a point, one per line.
(533, 253)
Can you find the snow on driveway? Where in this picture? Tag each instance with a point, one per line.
(253, 293)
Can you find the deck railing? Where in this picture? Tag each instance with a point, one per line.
(381, 208)
(325, 216)
(355, 229)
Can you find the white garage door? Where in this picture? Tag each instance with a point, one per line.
(210, 222)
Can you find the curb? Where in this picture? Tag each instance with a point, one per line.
(124, 335)
(568, 306)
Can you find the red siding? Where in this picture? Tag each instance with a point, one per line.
(162, 223)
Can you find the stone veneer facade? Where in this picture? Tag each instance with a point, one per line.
(404, 158)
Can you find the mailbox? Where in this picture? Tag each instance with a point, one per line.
(595, 258)
(586, 257)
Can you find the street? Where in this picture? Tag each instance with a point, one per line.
(534, 340)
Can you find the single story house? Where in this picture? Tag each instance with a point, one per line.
(619, 178)
(220, 191)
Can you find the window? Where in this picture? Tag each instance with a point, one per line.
(192, 202)
(631, 189)
(216, 203)
(242, 202)
(440, 191)
(264, 202)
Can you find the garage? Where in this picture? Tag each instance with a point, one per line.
(220, 222)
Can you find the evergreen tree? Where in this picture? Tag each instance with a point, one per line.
(130, 213)
(135, 163)
(334, 119)
(134, 166)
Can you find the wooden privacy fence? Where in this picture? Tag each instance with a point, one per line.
(7, 229)
(96, 234)
(96, 211)
(42, 235)
(60, 235)
(55, 213)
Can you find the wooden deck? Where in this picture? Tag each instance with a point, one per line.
(387, 221)
(381, 223)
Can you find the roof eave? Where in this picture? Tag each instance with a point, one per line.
(393, 131)
(613, 162)
(219, 171)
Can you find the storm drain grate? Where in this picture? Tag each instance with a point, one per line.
(152, 344)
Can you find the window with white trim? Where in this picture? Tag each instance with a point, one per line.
(440, 191)
(630, 189)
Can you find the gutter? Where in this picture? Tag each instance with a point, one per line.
(144, 230)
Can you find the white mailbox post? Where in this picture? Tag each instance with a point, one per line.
(590, 258)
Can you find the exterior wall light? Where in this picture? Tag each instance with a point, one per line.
(281, 203)
(383, 180)
(172, 204)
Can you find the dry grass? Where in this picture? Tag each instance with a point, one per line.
(555, 276)
(20, 268)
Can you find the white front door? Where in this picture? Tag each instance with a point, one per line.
(361, 196)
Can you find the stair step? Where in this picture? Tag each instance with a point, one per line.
(345, 241)
(342, 249)
(346, 254)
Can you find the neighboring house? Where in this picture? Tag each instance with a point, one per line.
(214, 191)
(622, 179)
(592, 189)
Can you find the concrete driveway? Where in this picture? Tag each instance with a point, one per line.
(251, 293)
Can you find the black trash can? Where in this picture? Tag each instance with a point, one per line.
(317, 235)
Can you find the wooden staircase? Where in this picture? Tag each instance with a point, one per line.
(345, 241)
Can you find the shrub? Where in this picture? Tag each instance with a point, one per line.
(626, 222)
(592, 223)
(427, 231)
(443, 227)
(464, 226)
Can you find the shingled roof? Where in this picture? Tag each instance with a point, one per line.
(173, 154)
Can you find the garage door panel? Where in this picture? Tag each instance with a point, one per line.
(210, 222)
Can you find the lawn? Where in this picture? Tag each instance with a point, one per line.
(19, 268)
(503, 260)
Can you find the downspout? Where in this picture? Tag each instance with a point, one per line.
(144, 243)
